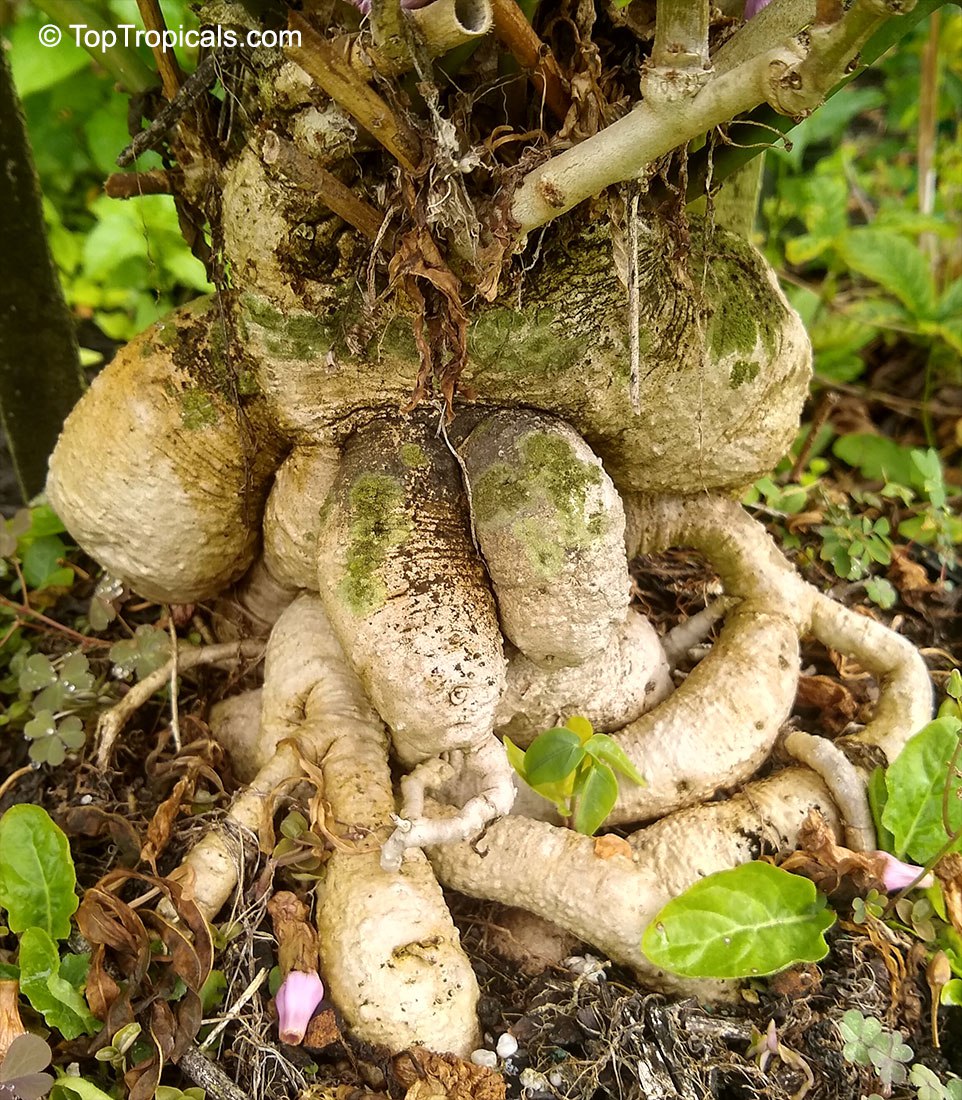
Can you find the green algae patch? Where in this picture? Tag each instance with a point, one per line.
(302, 337)
(379, 523)
(744, 311)
(413, 456)
(542, 498)
(743, 371)
(197, 410)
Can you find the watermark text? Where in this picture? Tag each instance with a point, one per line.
(102, 39)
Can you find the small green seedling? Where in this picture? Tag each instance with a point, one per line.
(574, 767)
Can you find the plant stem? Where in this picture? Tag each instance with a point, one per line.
(681, 35)
(516, 33)
(334, 74)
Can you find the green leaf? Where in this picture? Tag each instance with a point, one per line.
(37, 673)
(952, 992)
(596, 791)
(881, 592)
(48, 750)
(877, 797)
(78, 1088)
(49, 993)
(896, 264)
(606, 750)
(916, 782)
(753, 920)
(552, 756)
(76, 672)
(581, 726)
(878, 458)
(515, 756)
(41, 562)
(37, 877)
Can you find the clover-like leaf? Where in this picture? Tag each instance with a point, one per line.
(42, 724)
(148, 650)
(71, 733)
(37, 673)
(75, 672)
(48, 750)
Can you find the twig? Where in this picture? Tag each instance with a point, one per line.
(13, 777)
(174, 702)
(112, 721)
(232, 1012)
(129, 185)
(792, 77)
(171, 77)
(209, 1076)
(392, 37)
(824, 408)
(23, 609)
(306, 173)
(190, 92)
(321, 61)
(516, 33)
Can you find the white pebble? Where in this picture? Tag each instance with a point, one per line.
(507, 1045)
(484, 1057)
(556, 1078)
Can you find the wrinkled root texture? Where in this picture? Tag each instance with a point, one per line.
(390, 952)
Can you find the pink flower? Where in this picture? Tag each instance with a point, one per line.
(753, 7)
(408, 5)
(299, 995)
(896, 875)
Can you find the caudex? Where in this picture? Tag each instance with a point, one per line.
(426, 421)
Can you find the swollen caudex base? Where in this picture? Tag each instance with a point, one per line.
(162, 473)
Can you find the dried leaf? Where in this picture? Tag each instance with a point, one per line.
(949, 871)
(609, 846)
(445, 1075)
(162, 823)
(836, 871)
(102, 991)
(295, 935)
(835, 704)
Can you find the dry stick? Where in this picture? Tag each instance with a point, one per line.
(515, 32)
(130, 185)
(209, 1076)
(321, 61)
(24, 609)
(171, 76)
(306, 173)
(111, 722)
(13, 777)
(174, 674)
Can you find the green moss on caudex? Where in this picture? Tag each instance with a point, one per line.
(379, 523)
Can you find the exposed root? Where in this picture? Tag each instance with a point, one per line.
(550, 526)
(112, 722)
(905, 689)
(401, 980)
(610, 689)
(842, 778)
(694, 630)
(485, 767)
(610, 902)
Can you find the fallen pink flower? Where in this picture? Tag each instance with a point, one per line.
(896, 875)
(408, 5)
(299, 995)
(753, 7)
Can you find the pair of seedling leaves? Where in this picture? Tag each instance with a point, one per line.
(575, 768)
(756, 919)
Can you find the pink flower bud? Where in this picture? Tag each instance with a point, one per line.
(299, 995)
(896, 875)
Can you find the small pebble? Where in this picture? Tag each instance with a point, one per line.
(556, 1079)
(532, 1081)
(484, 1057)
(507, 1045)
